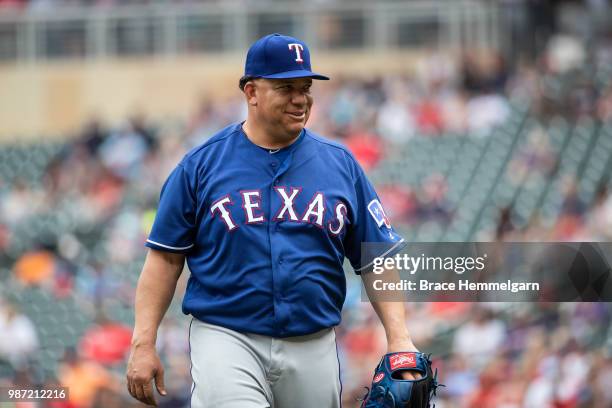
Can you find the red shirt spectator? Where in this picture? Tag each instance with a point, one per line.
(366, 147)
(12, 4)
(429, 117)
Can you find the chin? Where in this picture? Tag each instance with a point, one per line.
(295, 128)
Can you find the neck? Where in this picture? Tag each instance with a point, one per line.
(261, 137)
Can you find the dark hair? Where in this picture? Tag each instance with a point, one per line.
(243, 81)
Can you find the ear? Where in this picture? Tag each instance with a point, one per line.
(250, 91)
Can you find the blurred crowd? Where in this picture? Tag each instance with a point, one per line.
(501, 355)
(75, 230)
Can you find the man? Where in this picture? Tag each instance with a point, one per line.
(264, 213)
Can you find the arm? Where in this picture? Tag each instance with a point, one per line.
(392, 315)
(390, 311)
(154, 293)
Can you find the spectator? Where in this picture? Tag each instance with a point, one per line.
(601, 390)
(395, 122)
(106, 343)
(485, 112)
(401, 203)
(599, 218)
(12, 4)
(505, 225)
(84, 379)
(604, 105)
(35, 268)
(429, 117)
(534, 161)
(124, 151)
(434, 206)
(19, 341)
(366, 147)
(460, 379)
(572, 213)
(480, 338)
(93, 135)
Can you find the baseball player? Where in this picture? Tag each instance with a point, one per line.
(264, 213)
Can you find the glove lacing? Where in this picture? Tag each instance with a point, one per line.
(435, 384)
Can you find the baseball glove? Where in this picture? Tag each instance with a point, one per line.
(389, 390)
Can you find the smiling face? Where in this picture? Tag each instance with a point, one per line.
(281, 106)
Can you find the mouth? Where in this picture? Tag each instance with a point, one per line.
(297, 115)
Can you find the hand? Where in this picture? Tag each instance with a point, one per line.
(406, 345)
(143, 366)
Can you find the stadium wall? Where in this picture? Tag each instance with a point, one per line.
(53, 99)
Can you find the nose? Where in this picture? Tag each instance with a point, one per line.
(299, 98)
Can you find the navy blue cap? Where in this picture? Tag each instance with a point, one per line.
(277, 56)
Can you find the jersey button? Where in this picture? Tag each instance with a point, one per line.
(273, 164)
(280, 261)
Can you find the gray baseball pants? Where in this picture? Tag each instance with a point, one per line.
(241, 370)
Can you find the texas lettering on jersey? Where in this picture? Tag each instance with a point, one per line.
(313, 213)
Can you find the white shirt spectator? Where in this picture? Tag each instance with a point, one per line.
(486, 111)
(394, 122)
(19, 339)
(540, 392)
(479, 340)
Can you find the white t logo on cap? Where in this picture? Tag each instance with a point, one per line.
(298, 51)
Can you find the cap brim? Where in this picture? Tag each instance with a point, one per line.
(302, 73)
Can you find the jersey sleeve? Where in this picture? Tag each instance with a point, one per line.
(174, 226)
(371, 227)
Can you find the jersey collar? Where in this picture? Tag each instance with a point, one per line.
(264, 151)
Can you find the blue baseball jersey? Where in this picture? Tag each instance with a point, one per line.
(265, 235)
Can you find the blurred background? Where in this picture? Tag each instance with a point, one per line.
(476, 120)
